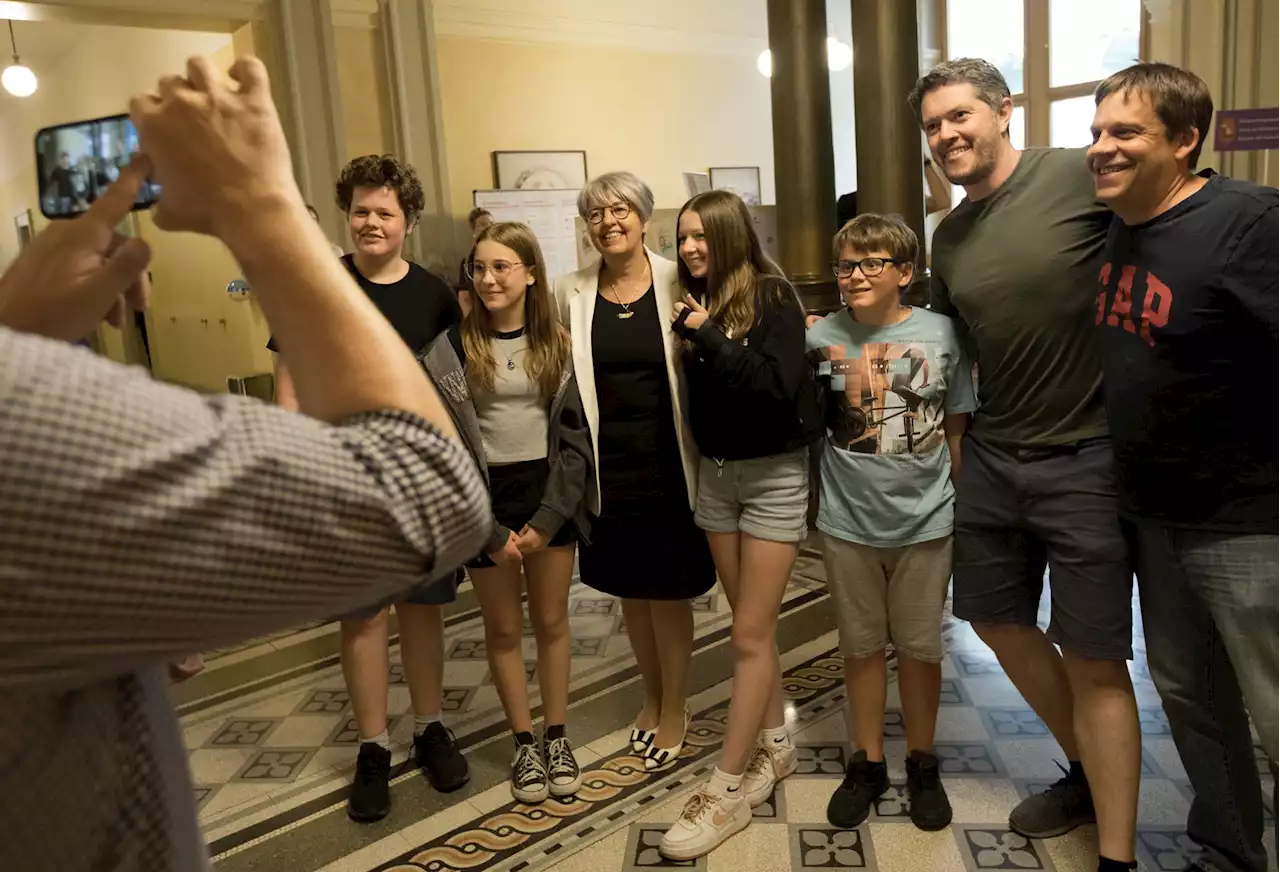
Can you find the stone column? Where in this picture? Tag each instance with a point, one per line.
(418, 124)
(298, 36)
(804, 164)
(886, 59)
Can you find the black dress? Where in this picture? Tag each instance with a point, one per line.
(645, 544)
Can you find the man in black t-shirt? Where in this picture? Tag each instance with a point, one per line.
(1187, 325)
(382, 199)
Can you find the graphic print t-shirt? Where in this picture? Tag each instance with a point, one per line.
(419, 306)
(885, 465)
(1187, 321)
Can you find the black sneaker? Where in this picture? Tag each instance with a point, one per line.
(370, 798)
(528, 774)
(438, 754)
(563, 774)
(930, 808)
(863, 784)
(1059, 810)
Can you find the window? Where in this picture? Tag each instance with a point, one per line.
(1069, 122)
(1091, 39)
(990, 29)
(1053, 54)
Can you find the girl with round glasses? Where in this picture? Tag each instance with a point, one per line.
(507, 378)
(753, 411)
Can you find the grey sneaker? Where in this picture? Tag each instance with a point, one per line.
(1059, 810)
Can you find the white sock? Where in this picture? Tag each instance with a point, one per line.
(775, 737)
(382, 740)
(421, 722)
(724, 784)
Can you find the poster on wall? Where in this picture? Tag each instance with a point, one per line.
(550, 215)
(1247, 130)
(696, 183)
(743, 181)
(539, 170)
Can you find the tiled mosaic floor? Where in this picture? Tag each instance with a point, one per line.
(272, 766)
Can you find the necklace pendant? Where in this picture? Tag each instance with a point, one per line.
(622, 316)
(511, 364)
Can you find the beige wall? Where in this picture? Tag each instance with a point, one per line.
(656, 114)
(198, 335)
(1233, 47)
(366, 98)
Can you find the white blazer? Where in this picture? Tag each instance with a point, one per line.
(576, 300)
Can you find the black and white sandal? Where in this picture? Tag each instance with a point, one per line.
(660, 759)
(641, 739)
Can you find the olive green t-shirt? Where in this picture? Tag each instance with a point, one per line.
(1019, 271)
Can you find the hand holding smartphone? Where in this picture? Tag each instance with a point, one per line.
(76, 162)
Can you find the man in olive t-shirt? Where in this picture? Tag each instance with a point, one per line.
(1016, 264)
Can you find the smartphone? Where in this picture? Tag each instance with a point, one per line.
(76, 162)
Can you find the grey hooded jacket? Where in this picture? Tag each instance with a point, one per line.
(571, 482)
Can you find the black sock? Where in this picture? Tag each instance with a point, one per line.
(1107, 865)
(552, 732)
(525, 738)
(1077, 772)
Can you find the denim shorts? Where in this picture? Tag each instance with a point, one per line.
(764, 497)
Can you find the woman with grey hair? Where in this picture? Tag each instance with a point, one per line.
(645, 548)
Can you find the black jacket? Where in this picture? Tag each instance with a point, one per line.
(569, 452)
(753, 396)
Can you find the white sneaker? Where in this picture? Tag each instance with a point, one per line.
(766, 768)
(707, 820)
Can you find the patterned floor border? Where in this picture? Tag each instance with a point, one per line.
(519, 837)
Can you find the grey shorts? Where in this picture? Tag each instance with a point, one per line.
(765, 497)
(436, 593)
(1018, 511)
(889, 596)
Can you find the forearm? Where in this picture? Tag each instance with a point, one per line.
(166, 523)
(344, 357)
(286, 397)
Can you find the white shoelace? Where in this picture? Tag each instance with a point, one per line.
(698, 806)
(761, 763)
(528, 766)
(560, 759)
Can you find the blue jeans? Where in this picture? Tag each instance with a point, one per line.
(1209, 610)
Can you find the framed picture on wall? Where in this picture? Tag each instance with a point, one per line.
(23, 223)
(539, 170)
(743, 181)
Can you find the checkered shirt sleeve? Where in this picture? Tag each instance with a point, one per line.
(140, 521)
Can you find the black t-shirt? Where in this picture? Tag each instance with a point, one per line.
(1187, 321)
(420, 306)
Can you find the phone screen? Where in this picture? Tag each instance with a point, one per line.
(76, 162)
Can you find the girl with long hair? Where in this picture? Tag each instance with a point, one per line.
(753, 411)
(507, 378)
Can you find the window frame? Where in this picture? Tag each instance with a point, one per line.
(1036, 96)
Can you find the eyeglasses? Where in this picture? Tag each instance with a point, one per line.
(870, 266)
(619, 210)
(500, 269)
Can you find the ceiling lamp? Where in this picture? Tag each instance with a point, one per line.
(17, 79)
(839, 57)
